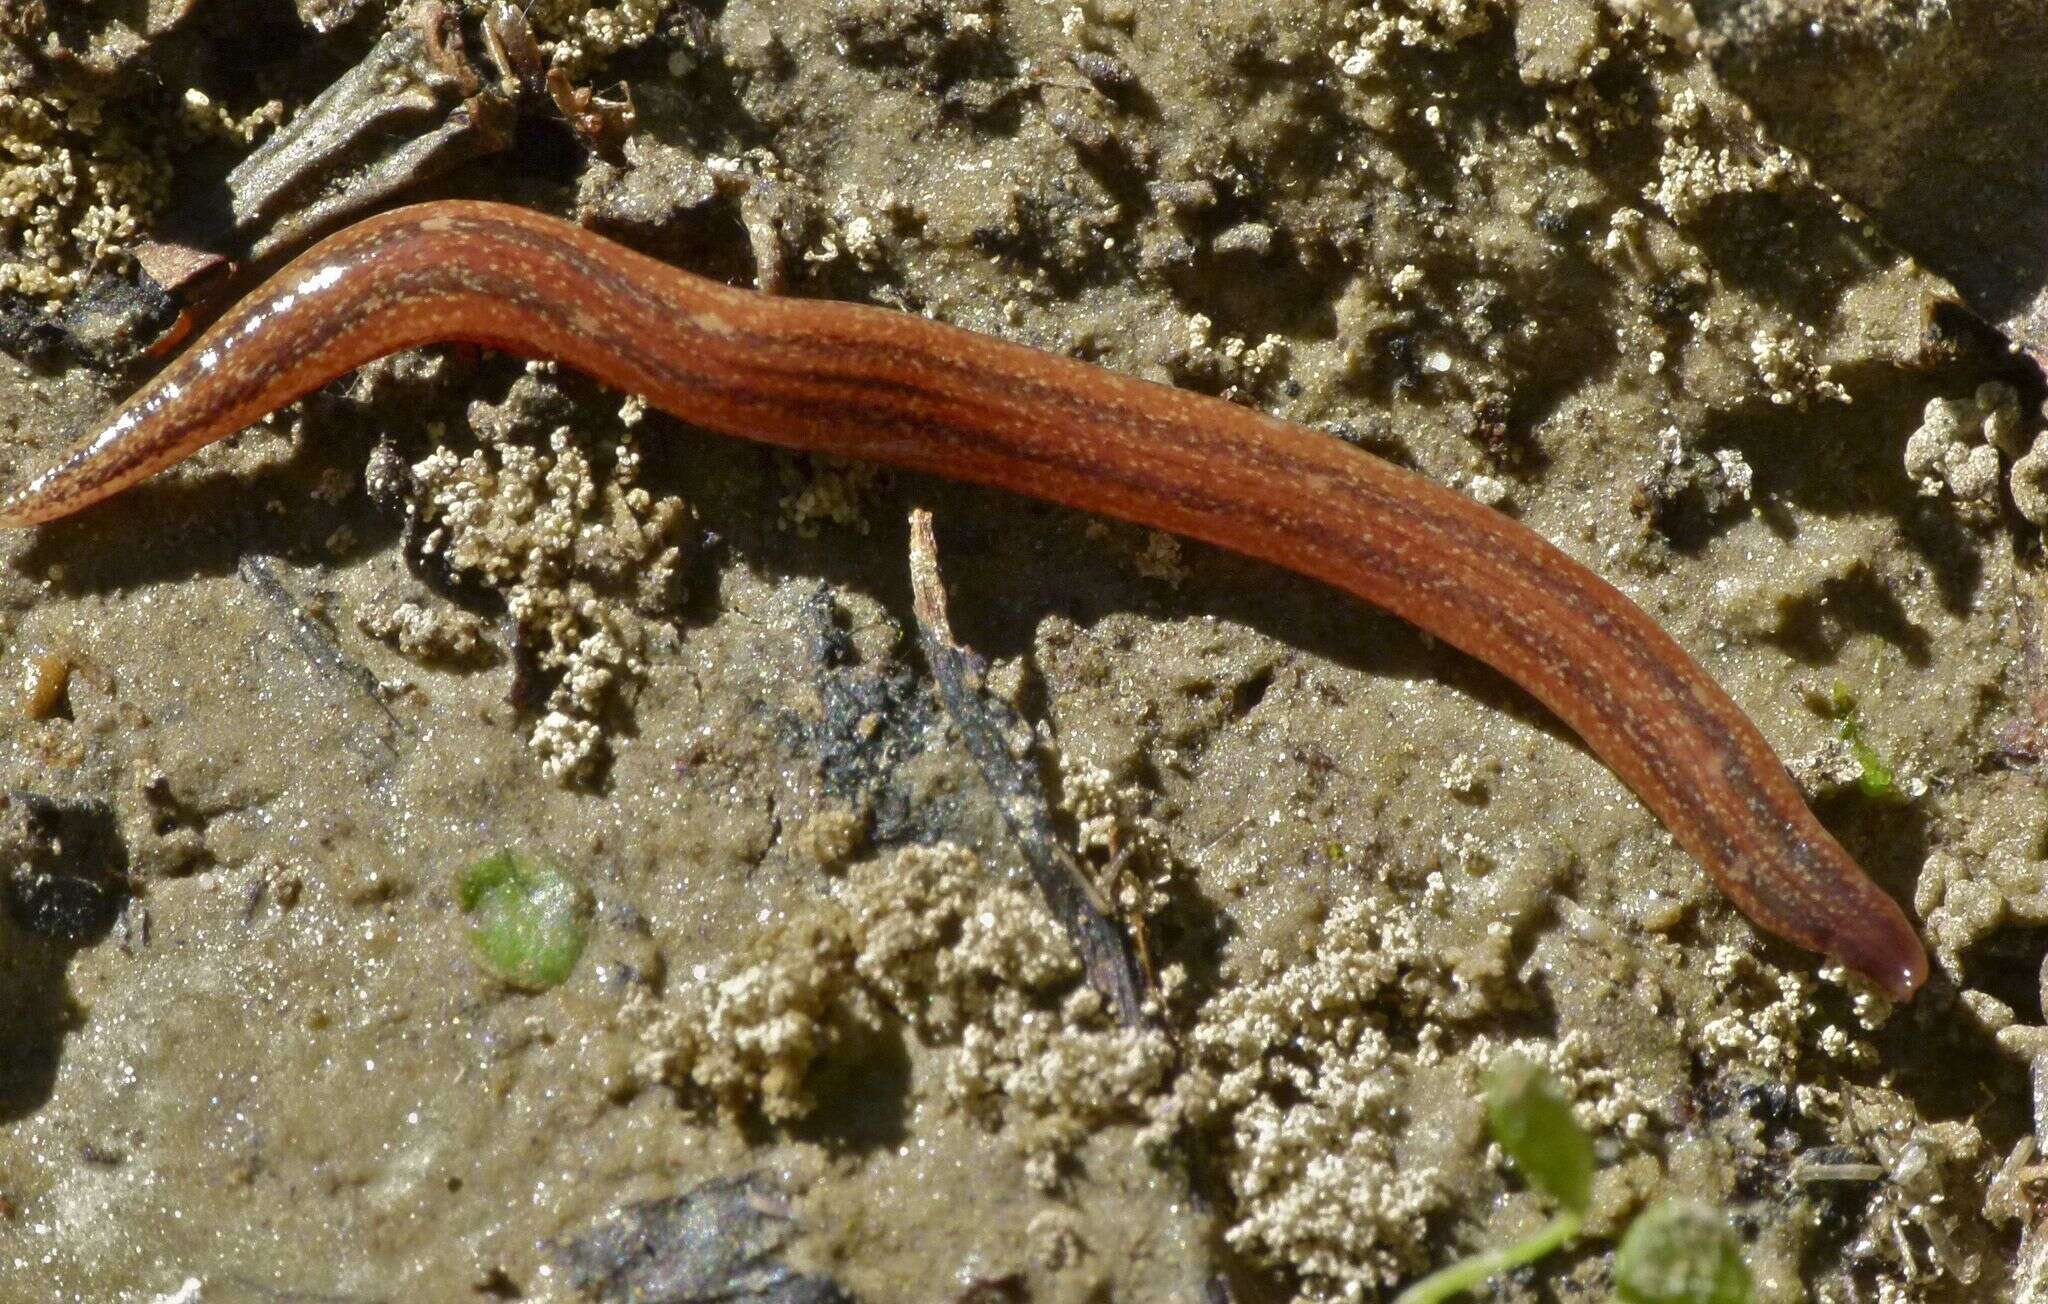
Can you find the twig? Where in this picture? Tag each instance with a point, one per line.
(325, 656)
(984, 724)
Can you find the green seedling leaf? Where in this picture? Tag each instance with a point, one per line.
(527, 920)
(1534, 1124)
(1468, 1274)
(1874, 775)
(1677, 1252)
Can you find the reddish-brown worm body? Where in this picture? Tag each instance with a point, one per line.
(888, 386)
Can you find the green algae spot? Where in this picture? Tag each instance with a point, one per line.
(528, 921)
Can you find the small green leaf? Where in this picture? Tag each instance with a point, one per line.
(1874, 775)
(1534, 1124)
(1677, 1252)
(528, 920)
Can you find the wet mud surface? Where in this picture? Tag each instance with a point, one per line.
(1677, 287)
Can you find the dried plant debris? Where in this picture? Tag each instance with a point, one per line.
(415, 106)
(421, 104)
(987, 726)
(354, 686)
(718, 1243)
(78, 181)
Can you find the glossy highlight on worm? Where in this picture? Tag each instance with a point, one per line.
(870, 383)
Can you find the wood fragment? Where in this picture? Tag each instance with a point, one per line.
(985, 723)
(414, 108)
(181, 269)
(193, 280)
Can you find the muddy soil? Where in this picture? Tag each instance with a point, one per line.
(1677, 287)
